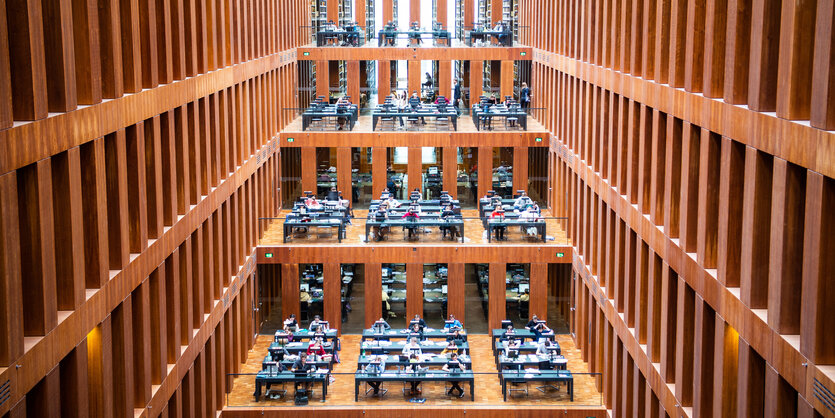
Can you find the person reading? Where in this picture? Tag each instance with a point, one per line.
(532, 323)
(302, 368)
(316, 347)
(453, 323)
(380, 216)
(416, 331)
(290, 323)
(411, 215)
(455, 337)
(451, 348)
(419, 320)
(381, 325)
(414, 367)
(455, 366)
(376, 367)
(498, 216)
(412, 348)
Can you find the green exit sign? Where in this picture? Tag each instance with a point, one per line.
(291, 139)
(538, 139)
(268, 255)
(560, 254)
(523, 53)
(305, 53)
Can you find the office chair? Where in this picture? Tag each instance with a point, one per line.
(516, 386)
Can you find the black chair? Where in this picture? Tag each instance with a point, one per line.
(524, 307)
(546, 365)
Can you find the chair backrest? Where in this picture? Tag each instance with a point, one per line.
(544, 365)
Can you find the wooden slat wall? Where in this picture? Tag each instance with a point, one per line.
(134, 219)
(692, 217)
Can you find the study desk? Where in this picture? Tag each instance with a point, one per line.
(330, 111)
(351, 37)
(450, 113)
(306, 334)
(407, 377)
(520, 334)
(296, 348)
(423, 222)
(428, 346)
(525, 347)
(385, 35)
(544, 376)
(494, 223)
(481, 117)
(291, 224)
(504, 37)
(530, 360)
(394, 360)
(268, 379)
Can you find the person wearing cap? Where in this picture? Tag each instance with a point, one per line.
(380, 216)
(498, 215)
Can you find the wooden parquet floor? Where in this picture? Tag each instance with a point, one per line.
(473, 234)
(465, 124)
(487, 386)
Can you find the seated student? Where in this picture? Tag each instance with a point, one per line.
(392, 202)
(522, 201)
(532, 323)
(380, 216)
(312, 203)
(511, 345)
(314, 324)
(447, 214)
(455, 366)
(456, 337)
(415, 27)
(451, 348)
(316, 347)
(539, 330)
(509, 333)
(525, 297)
(453, 324)
(381, 325)
(419, 320)
(416, 331)
(414, 367)
(411, 215)
(333, 195)
(415, 196)
(290, 323)
(528, 215)
(302, 367)
(282, 353)
(412, 347)
(498, 215)
(542, 347)
(376, 367)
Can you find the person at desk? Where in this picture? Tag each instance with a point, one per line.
(453, 323)
(314, 324)
(455, 366)
(498, 215)
(501, 37)
(528, 215)
(451, 348)
(414, 28)
(376, 367)
(428, 83)
(304, 297)
(381, 324)
(525, 297)
(419, 320)
(333, 195)
(312, 203)
(456, 93)
(414, 367)
(290, 323)
(542, 349)
(539, 330)
(509, 333)
(390, 33)
(455, 338)
(316, 347)
(522, 201)
(412, 347)
(448, 214)
(391, 201)
(416, 331)
(386, 305)
(302, 367)
(380, 216)
(532, 323)
(411, 215)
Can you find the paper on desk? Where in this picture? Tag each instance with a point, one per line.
(531, 370)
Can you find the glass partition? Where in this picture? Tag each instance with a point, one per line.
(394, 288)
(433, 180)
(467, 177)
(503, 171)
(560, 292)
(396, 177)
(353, 294)
(291, 176)
(434, 294)
(517, 293)
(475, 297)
(269, 298)
(325, 171)
(361, 176)
(538, 175)
(311, 293)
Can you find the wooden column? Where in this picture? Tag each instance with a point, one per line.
(823, 83)
(11, 303)
(290, 291)
(373, 293)
(379, 157)
(469, 12)
(442, 14)
(308, 169)
(414, 77)
(476, 80)
(485, 170)
(414, 170)
(343, 172)
(414, 290)
(496, 10)
(506, 81)
(383, 80)
(456, 291)
(539, 290)
(332, 298)
(450, 170)
(323, 77)
(359, 13)
(520, 169)
(445, 79)
(354, 81)
(414, 12)
(388, 11)
(496, 296)
(333, 10)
